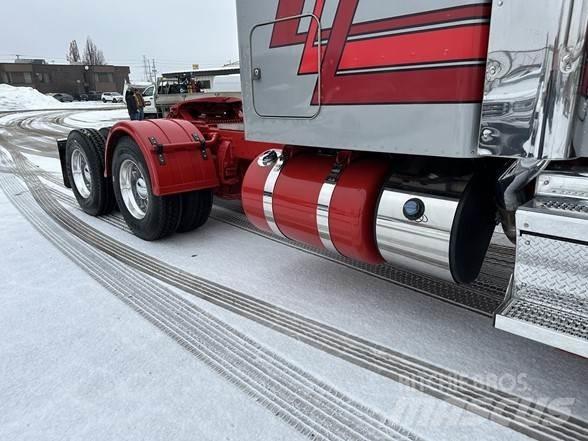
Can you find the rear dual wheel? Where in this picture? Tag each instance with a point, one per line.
(152, 217)
(196, 208)
(85, 170)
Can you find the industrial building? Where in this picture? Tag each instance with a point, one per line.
(74, 79)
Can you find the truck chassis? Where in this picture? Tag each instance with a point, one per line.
(339, 169)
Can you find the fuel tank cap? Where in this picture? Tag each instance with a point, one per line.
(414, 209)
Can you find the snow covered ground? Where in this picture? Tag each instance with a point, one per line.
(96, 119)
(26, 98)
(225, 334)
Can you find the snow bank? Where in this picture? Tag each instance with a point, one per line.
(25, 98)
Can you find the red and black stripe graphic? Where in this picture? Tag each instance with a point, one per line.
(430, 57)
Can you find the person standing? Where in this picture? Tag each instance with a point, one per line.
(140, 105)
(131, 104)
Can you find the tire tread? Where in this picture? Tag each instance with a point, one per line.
(93, 145)
(166, 211)
(196, 208)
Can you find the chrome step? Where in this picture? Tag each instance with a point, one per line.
(547, 300)
(560, 329)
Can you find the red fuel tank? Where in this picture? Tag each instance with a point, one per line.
(312, 199)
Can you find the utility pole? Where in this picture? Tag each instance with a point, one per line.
(146, 69)
(154, 71)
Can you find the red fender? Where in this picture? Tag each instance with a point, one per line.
(184, 167)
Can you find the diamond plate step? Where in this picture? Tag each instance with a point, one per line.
(549, 326)
(547, 300)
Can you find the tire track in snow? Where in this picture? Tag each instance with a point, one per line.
(514, 412)
(476, 299)
(301, 400)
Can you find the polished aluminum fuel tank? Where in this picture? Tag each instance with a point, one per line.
(435, 225)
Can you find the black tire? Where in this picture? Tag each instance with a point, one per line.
(104, 101)
(90, 142)
(196, 207)
(162, 215)
(104, 131)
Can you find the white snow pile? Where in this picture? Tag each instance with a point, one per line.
(25, 98)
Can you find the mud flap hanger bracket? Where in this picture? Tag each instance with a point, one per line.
(160, 149)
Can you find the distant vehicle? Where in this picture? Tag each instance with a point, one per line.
(62, 97)
(112, 97)
(148, 92)
(175, 88)
(226, 84)
(94, 96)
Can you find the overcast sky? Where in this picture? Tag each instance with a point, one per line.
(176, 33)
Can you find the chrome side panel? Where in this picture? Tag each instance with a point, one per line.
(535, 62)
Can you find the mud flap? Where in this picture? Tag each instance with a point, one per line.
(61, 144)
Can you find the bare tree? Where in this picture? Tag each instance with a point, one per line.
(92, 55)
(73, 55)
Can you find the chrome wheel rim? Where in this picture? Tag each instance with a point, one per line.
(81, 173)
(133, 189)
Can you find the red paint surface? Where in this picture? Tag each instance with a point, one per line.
(438, 85)
(285, 33)
(353, 208)
(442, 45)
(252, 195)
(424, 18)
(458, 84)
(184, 170)
(446, 85)
(296, 196)
(310, 56)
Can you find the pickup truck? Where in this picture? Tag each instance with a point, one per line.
(173, 90)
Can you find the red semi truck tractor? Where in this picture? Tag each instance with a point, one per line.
(399, 131)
